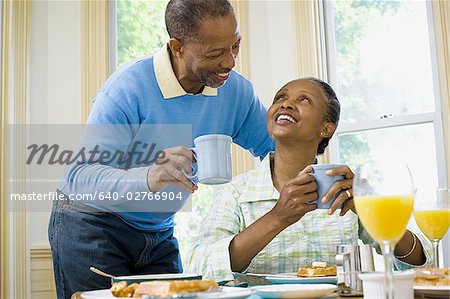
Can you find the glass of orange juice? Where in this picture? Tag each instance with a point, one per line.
(432, 214)
(384, 199)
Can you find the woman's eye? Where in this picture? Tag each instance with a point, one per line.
(278, 99)
(304, 100)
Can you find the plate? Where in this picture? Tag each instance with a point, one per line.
(98, 294)
(226, 293)
(294, 291)
(292, 278)
(433, 291)
(150, 277)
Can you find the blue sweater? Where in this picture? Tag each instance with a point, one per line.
(127, 108)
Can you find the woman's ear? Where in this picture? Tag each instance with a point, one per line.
(328, 130)
(176, 47)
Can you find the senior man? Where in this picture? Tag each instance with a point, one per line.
(189, 81)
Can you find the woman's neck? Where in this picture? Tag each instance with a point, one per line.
(288, 162)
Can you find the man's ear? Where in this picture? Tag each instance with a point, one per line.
(328, 130)
(176, 47)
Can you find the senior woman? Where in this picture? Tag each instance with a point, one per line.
(266, 220)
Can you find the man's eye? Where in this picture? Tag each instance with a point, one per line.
(278, 99)
(214, 55)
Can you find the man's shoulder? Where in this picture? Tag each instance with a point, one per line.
(137, 72)
(136, 65)
(237, 79)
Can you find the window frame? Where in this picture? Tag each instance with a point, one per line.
(434, 118)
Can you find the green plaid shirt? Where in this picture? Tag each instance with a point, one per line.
(247, 198)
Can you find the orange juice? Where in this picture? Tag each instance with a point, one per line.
(433, 223)
(384, 217)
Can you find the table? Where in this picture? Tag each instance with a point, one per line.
(77, 295)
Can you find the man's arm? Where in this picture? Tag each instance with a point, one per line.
(252, 135)
(105, 141)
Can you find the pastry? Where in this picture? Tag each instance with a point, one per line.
(161, 288)
(317, 269)
(432, 277)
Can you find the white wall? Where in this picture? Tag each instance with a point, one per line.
(271, 47)
(55, 79)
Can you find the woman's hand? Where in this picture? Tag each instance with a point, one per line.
(346, 196)
(296, 199)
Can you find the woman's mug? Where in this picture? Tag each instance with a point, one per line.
(213, 155)
(352, 260)
(325, 182)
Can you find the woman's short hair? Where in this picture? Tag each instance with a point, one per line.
(333, 109)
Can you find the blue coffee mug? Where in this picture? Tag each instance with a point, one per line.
(324, 183)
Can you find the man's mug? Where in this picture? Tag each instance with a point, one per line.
(213, 155)
(352, 260)
(324, 183)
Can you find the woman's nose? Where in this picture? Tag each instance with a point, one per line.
(287, 104)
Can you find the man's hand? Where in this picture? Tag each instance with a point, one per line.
(168, 170)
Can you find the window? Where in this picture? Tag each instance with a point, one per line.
(382, 61)
(140, 29)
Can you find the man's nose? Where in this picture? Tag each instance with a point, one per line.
(229, 61)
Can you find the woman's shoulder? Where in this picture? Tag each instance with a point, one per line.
(245, 180)
(240, 184)
(236, 185)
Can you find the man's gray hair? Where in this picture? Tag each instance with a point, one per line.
(183, 17)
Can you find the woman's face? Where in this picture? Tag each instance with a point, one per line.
(298, 113)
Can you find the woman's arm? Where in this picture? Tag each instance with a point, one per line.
(209, 255)
(293, 204)
(248, 243)
(419, 256)
(409, 249)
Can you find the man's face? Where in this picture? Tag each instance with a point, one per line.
(210, 58)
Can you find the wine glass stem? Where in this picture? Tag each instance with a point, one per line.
(388, 255)
(435, 253)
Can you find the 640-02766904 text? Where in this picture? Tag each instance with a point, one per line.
(102, 196)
